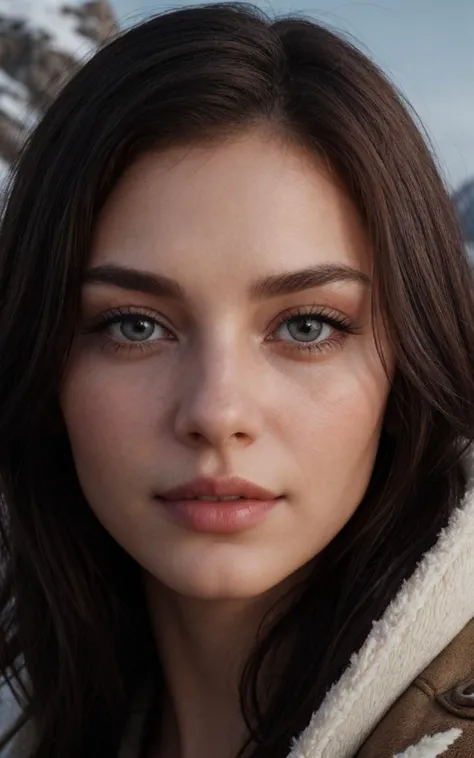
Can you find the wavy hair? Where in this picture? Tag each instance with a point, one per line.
(73, 615)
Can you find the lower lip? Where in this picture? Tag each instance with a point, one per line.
(218, 517)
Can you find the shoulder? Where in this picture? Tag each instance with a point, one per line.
(436, 713)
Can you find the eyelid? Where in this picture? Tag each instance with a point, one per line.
(341, 325)
(328, 315)
(114, 315)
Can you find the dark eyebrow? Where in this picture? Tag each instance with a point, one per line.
(132, 279)
(315, 276)
(270, 286)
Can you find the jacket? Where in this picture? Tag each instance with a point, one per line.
(409, 691)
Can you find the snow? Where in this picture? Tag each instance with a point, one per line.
(12, 85)
(14, 101)
(47, 20)
(49, 16)
(4, 169)
(4, 176)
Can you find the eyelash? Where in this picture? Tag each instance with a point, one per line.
(340, 323)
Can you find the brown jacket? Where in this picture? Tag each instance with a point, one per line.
(440, 698)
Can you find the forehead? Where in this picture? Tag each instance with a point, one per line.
(252, 203)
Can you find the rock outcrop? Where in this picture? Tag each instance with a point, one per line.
(42, 43)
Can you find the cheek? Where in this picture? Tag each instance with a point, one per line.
(334, 433)
(112, 419)
(338, 407)
(343, 418)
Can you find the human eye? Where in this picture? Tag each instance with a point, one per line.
(312, 329)
(129, 328)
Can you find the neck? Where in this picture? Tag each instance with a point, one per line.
(203, 646)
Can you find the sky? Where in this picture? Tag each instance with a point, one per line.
(425, 46)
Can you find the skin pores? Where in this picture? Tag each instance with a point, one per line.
(221, 381)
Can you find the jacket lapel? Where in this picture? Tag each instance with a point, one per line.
(431, 608)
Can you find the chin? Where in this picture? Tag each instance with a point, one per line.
(219, 577)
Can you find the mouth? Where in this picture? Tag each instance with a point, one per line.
(218, 506)
(210, 499)
(223, 489)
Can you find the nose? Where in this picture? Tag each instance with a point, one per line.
(218, 403)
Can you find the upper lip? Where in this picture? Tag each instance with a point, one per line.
(227, 487)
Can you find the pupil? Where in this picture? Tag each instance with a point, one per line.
(305, 327)
(137, 329)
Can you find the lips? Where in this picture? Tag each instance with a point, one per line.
(218, 506)
(229, 487)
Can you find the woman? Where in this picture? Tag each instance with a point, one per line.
(236, 409)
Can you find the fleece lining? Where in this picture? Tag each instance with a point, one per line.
(432, 746)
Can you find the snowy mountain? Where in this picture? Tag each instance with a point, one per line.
(42, 42)
(464, 202)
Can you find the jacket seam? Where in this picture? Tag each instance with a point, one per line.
(425, 687)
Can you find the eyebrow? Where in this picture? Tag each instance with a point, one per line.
(275, 285)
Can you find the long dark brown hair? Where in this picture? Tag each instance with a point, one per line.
(72, 609)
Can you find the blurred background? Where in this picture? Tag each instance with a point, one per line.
(425, 46)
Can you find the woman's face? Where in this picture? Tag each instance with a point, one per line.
(226, 332)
